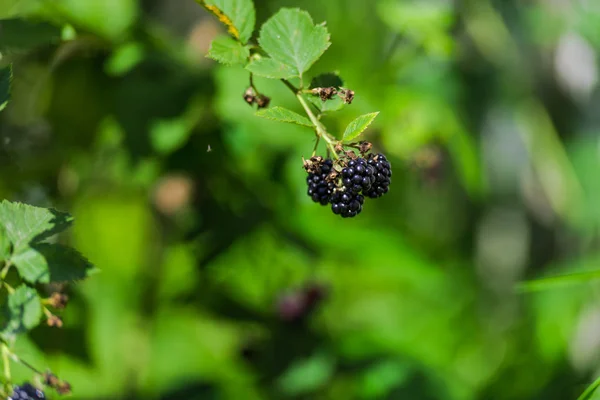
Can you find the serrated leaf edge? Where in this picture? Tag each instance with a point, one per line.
(346, 138)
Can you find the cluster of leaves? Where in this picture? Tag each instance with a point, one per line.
(289, 43)
(36, 262)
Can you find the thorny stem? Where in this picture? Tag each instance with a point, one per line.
(320, 130)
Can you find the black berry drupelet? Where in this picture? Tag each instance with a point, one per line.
(347, 204)
(319, 189)
(26, 392)
(383, 175)
(358, 176)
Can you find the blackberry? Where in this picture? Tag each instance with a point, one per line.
(358, 176)
(319, 189)
(383, 175)
(26, 392)
(347, 204)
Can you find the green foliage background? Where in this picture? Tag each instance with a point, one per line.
(114, 108)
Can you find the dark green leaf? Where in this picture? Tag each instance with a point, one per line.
(269, 68)
(19, 34)
(329, 79)
(589, 392)
(291, 37)
(228, 51)
(238, 15)
(5, 81)
(23, 311)
(284, 115)
(65, 264)
(358, 126)
(24, 223)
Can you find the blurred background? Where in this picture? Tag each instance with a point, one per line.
(489, 115)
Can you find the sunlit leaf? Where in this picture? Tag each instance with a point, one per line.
(284, 115)
(24, 223)
(238, 16)
(23, 311)
(269, 68)
(358, 126)
(291, 37)
(228, 51)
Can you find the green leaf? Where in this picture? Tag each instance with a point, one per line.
(21, 35)
(228, 51)
(291, 38)
(4, 244)
(24, 223)
(32, 265)
(357, 126)
(169, 135)
(124, 59)
(589, 392)
(23, 311)
(269, 68)
(553, 282)
(65, 264)
(307, 375)
(238, 16)
(330, 79)
(284, 115)
(5, 81)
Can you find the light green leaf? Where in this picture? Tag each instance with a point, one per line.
(124, 59)
(284, 115)
(169, 135)
(111, 19)
(20, 35)
(269, 68)
(65, 264)
(357, 126)
(556, 281)
(228, 51)
(307, 375)
(238, 16)
(23, 311)
(24, 223)
(32, 265)
(5, 81)
(589, 392)
(4, 244)
(291, 38)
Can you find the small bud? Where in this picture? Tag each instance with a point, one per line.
(250, 96)
(262, 101)
(63, 388)
(54, 321)
(325, 93)
(347, 95)
(58, 300)
(351, 155)
(51, 380)
(338, 148)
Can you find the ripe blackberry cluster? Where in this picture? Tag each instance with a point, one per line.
(383, 176)
(346, 182)
(26, 392)
(319, 189)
